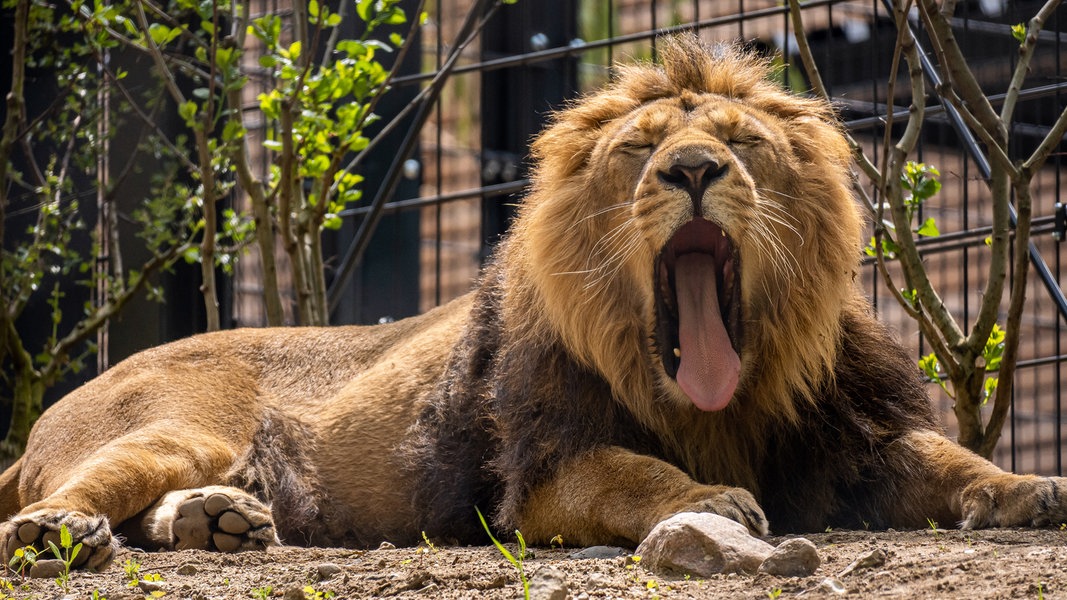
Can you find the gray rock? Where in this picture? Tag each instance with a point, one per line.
(792, 558)
(47, 569)
(548, 584)
(702, 544)
(327, 570)
(187, 569)
(599, 552)
(834, 586)
(873, 559)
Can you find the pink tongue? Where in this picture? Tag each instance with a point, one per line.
(709, 367)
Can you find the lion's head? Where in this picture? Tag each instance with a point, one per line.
(691, 234)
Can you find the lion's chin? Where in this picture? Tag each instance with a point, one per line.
(697, 310)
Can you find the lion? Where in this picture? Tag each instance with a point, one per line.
(671, 325)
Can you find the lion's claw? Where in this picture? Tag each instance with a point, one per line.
(736, 504)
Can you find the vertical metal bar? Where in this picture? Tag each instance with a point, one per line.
(438, 177)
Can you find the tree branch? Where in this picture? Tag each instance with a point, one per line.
(1026, 53)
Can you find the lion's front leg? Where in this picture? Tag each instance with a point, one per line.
(942, 478)
(614, 496)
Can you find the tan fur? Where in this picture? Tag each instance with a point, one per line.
(541, 398)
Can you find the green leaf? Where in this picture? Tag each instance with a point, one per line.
(993, 352)
(928, 228)
(396, 39)
(65, 539)
(187, 111)
(332, 222)
(363, 8)
(295, 49)
(333, 20)
(989, 388)
(911, 297)
(313, 9)
(1019, 32)
(161, 34)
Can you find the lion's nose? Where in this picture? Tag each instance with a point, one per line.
(693, 178)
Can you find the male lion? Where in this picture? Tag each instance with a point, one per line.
(671, 325)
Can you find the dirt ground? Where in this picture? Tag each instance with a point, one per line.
(999, 563)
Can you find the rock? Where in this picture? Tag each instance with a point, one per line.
(187, 569)
(47, 569)
(548, 584)
(293, 593)
(386, 546)
(327, 570)
(873, 559)
(833, 586)
(599, 552)
(702, 544)
(796, 557)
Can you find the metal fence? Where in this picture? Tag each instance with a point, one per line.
(467, 170)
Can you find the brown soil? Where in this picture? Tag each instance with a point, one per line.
(1001, 563)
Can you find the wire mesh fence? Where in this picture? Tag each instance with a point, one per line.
(469, 167)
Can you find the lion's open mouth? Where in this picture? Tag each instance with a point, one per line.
(698, 310)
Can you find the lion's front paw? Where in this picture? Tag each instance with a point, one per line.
(1014, 500)
(733, 503)
(38, 528)
(216, 518)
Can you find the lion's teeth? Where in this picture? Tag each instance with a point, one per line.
(678, 352)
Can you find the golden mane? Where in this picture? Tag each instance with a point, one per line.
(604, 318)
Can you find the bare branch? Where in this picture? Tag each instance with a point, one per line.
(993, 146)
(957, 73)
(157, 56)
(806, 57)
(1026, 53)
(1008, 361)
(261, 213)
(60, 351)
(1052, 139)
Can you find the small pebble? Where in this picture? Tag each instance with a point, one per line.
(600, 552)
(872, 560)
(833, 586)
(327, 570)
(795, 557)
(548, 584)
(187, 569)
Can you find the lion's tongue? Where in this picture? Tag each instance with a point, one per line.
(709, 367)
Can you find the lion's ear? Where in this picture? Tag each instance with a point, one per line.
(562, 150)
(565, 146)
